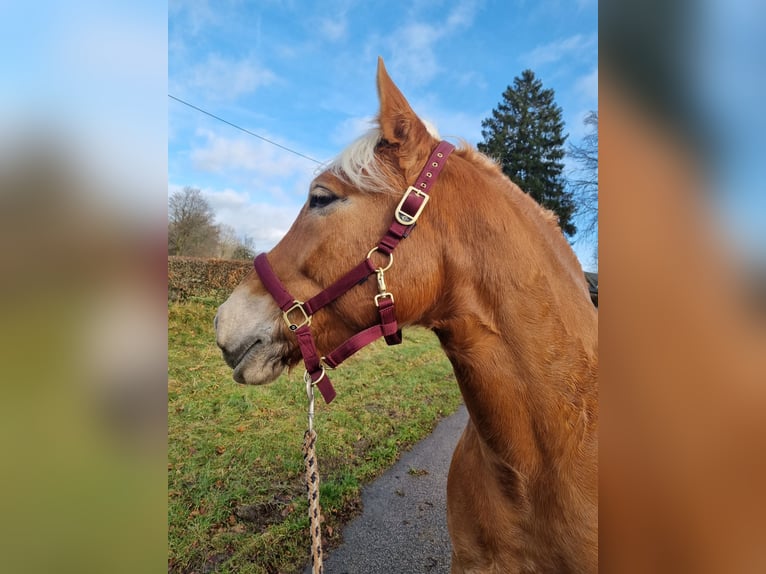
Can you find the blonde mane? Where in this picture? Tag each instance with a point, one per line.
(358, 165)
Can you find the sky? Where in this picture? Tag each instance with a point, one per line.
(302, 74)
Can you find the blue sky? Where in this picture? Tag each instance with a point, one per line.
(303, 74)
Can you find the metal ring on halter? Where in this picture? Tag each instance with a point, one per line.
(325, 365)
(390, 258)
(309, 381)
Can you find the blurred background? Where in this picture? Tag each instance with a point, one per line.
(682, 260)
(83, 209)
(83, 202)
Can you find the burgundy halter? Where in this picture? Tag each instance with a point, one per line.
(405, 217)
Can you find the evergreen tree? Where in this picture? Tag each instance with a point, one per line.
(524, 135)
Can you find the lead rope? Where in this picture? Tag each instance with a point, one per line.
(312, 483)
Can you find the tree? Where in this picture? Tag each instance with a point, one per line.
(228, 242)
(245, 248)
(525, 136)
(231, 246)
(584, 179)
(191, 227)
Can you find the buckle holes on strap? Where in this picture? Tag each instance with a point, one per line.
(390, 258)
(434, 164)
(429, 174)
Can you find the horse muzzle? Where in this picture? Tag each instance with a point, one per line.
(248, 332)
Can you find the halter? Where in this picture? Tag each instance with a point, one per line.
(297, 314)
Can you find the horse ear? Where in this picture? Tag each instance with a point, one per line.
(398, 123)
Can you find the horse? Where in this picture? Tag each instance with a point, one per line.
(488, 270)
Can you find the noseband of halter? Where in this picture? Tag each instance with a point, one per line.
(297, 314)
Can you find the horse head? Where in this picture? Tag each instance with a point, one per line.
(349, 207)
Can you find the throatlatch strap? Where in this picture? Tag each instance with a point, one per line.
(387, 328)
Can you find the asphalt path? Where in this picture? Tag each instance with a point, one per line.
(403, 525)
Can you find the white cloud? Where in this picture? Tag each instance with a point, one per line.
(412, 46)
(575, 47)
(229, 197)
(461, 16)
(265, 223)
(258, 158)
(196, 15)
(218, 78)
(267, 185)
(412, 52)
(333, 29)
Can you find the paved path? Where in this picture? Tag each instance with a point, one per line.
(403, 525)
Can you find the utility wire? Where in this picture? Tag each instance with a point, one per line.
(243, 129)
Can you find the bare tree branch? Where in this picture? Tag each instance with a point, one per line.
(584, 180)
(191, 227)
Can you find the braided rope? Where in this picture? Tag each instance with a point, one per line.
(312, 486)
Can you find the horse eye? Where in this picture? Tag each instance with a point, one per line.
(320, 201)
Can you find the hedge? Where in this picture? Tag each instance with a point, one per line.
(196, 277)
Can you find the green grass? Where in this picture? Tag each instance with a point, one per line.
(236, 498)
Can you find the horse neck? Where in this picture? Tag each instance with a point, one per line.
(516, 322)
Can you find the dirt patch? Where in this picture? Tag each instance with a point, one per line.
(211, 564)
(260, 516)
(361, 446)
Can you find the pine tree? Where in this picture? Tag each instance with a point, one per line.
(525, 136)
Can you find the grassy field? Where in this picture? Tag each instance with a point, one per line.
(236, 500)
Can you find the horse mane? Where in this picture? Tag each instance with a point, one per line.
(359, 166)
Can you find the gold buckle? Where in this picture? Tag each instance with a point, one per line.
(406, 218)
(306, 317)
(380, 296)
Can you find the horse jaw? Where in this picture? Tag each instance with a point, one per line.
(248, 332)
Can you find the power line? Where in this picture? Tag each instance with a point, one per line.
(243, 129)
